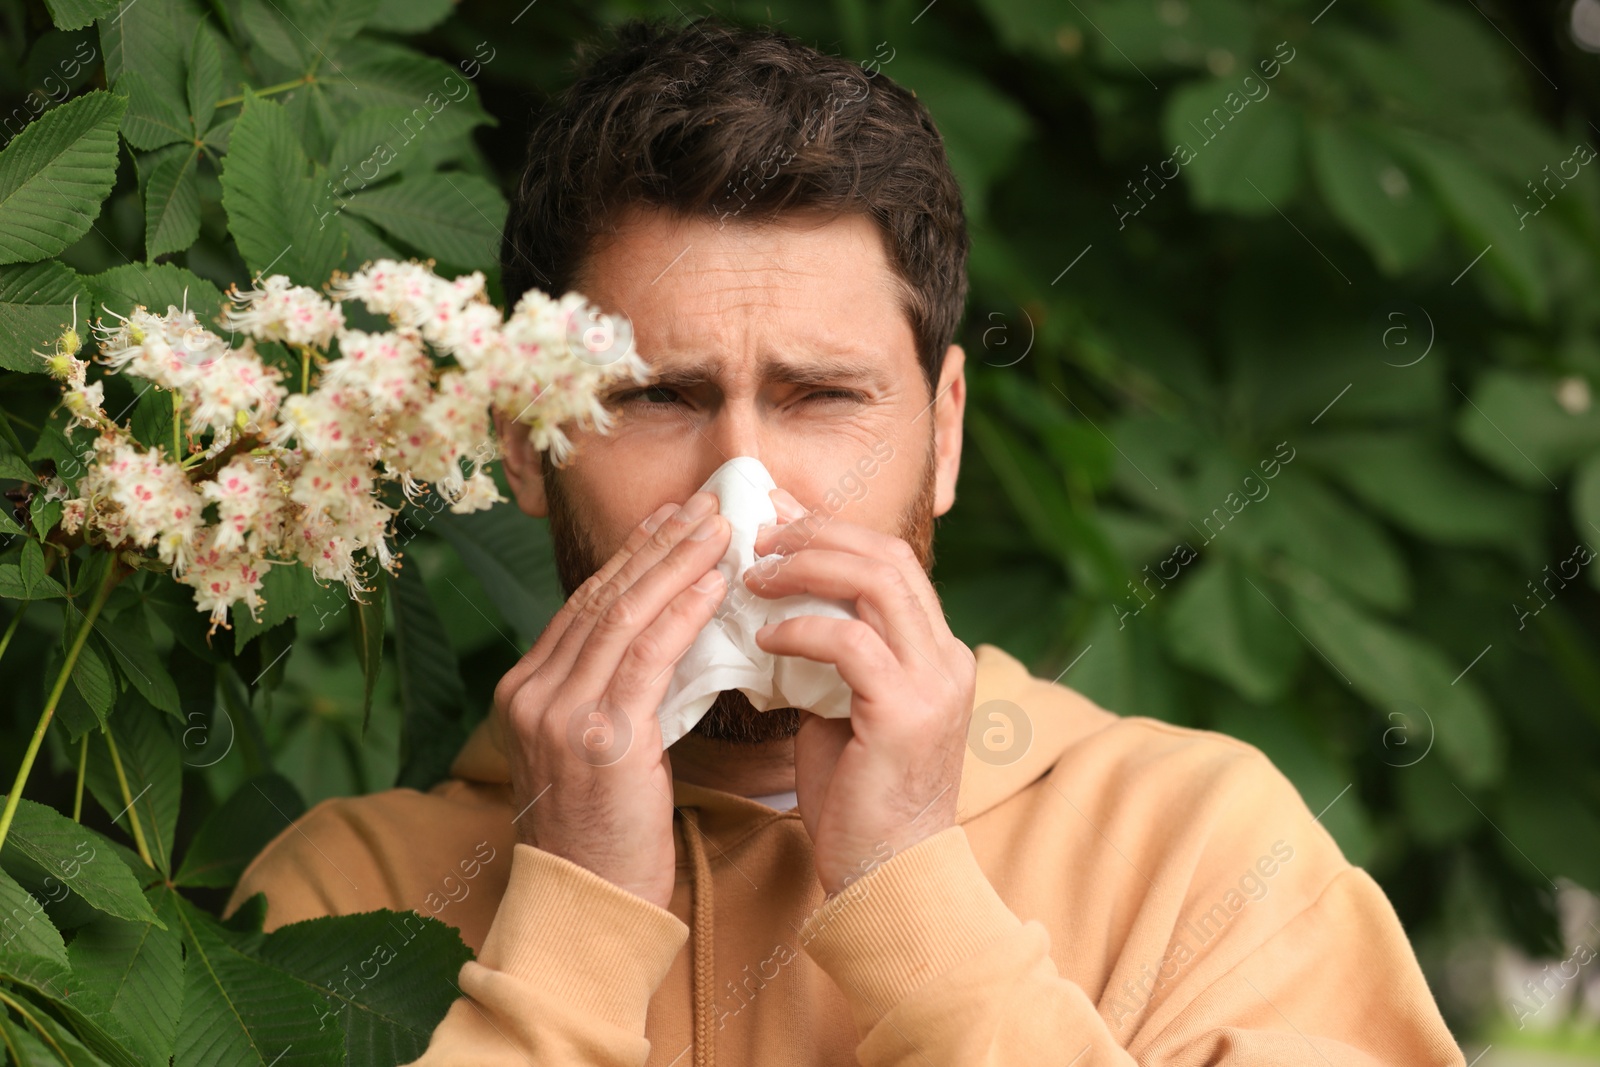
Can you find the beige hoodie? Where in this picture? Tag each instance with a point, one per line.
(1126, 892)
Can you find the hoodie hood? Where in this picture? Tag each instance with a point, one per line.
(1044, 718)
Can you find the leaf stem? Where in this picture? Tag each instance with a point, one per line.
(177, 424)
(11, 628)
(283, 87)
(15, 795)
(83, 764)
(127, 798)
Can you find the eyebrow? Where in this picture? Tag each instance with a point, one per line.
(823, 370)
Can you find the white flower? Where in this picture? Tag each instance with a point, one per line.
(278, 311)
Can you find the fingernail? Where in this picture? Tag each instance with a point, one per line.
(705, 529)
(708, 581)
(698, 505)
(657, 517)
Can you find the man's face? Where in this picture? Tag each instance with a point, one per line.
(784, 342)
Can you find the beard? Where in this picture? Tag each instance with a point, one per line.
(732, 719)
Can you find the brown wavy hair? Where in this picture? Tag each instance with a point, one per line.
(737, 123)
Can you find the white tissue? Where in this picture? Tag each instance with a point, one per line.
(725, 654)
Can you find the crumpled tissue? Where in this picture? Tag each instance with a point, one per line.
(725, 654)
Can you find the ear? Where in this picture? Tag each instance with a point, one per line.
(950, 408)
(524, 465)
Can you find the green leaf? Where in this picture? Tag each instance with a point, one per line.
(204, 87)
(37, 302)
(454, 217)
(55, 173)
(16, 469)
(287, 590)
(92, 677)
(44, 517)
(387, 997)
(1586, 505)
(380, 142)
(274, 206)
(1480, 210)
(154, 118)
(304, 33)
(135, 970)
(1239, 153)
(138, 662)
(983, 128)
(238, 1010)
(409, 16)
(1410, 478)
(1513, 423)
(1222, 626)
(1374, 195)
(172, 205)
(510, 555)
(156, 286)
(366, 631)
(1397, 671)
(432, 696)
(1314, 526)
(44, 843)
(29, 936)
(76, 14)
(233, 834)
(27, 579)
(150, 762)
(151, 37)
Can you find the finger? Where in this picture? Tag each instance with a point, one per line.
(820, 531)
(787, 507)
(637, 606)
(881, 591)
(535, 658)
(619, 574)
(644, 672)
(862, 658)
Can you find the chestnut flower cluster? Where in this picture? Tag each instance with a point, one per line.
(276, 477)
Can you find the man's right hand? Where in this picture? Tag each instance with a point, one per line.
(577, 714)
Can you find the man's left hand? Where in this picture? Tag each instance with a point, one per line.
(888, 776)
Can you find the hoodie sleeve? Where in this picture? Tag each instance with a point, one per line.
(546, 989)
(939, 971)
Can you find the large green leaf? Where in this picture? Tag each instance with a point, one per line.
(233, 834)
(55, 173)
(388, 995)
(278, 213)
(157, 113)
(509, 553)
(44, 843)
(135, 970)
(1481, 211)
(409, 16)
(432, 696)
(30, 938)
(1398, 672)
(150, 762)
(454, 217)
(1241, 153)
(203, 87)
(157, 286)
(238, 1010)
(1513, 422)
(305, 34)
(172, 204)
(1223, 626)
(76, 14)
(1374, 195)
(26, 579)
(138, 662)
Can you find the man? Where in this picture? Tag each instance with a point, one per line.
(1067, 887)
